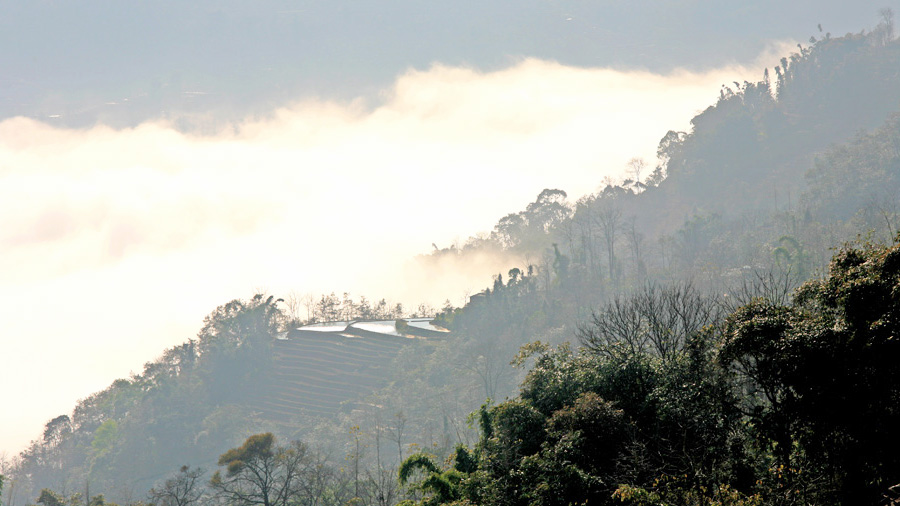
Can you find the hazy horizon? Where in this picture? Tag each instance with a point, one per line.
(123, 63)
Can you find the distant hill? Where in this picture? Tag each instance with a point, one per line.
(749, 171)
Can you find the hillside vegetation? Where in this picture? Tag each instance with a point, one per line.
(722, 351)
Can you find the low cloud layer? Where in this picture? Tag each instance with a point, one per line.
(115, 243)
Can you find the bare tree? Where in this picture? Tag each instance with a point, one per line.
(320, 485)
(356, 434)
(396, 433)
(885, 28)
(489, 362)
(636, 167)
(636, 245)
(381, 486)
(881, 213)
(608, 217)
(183, 489)
(569, 232)
(776, 286)
(677, 313)
(294, 302)
(658, 320)
(635, 170)
(309, 302)
(620, 324)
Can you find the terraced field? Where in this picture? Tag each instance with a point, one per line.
(316, 373)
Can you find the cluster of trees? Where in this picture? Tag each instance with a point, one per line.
(749, 203)
(259, 472)
(675, 400)
(180, 408)
(676, 396)
(770, 159)
(194, 400)
(306, 308)
(767, 182)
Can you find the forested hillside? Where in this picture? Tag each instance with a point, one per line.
(688, 335)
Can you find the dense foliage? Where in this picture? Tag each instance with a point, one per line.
(773, 404)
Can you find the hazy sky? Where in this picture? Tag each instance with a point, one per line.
(122, 61)
(115, 243)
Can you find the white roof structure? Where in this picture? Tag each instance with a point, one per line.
(415, 327)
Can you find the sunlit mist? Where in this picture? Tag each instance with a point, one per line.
(115, 243)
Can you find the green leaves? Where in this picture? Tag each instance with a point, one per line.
(255, 448)
(51, 498)
(827, 369)
(414, 462)
(105, 437)
(442, 487)
(259, 473)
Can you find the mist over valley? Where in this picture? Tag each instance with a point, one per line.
(535, 254)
